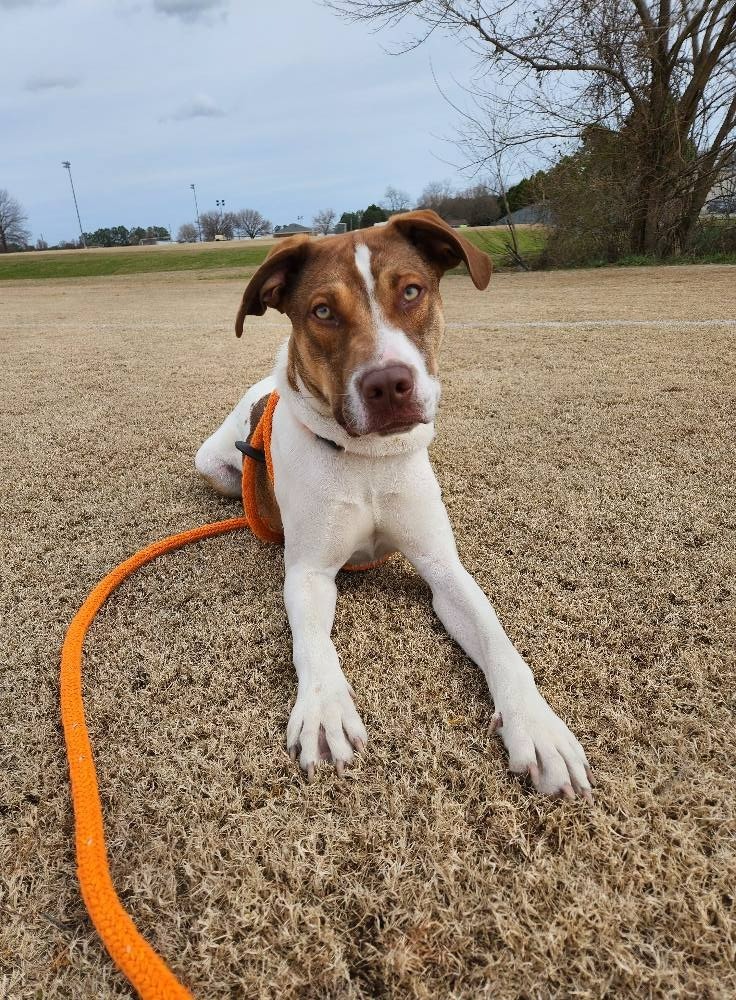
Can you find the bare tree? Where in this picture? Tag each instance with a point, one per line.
(503, 162)
(478, 205)
(13, 232)
(324, 220)
(251, 223)
(437, 195)
(396, 200)
(216, 223)
(187, 233)
(662, 73)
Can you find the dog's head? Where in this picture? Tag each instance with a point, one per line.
(367, 317)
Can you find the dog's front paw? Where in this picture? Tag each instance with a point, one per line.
(540, 744)
(324, 726)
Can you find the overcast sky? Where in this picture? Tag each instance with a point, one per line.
(280, 106)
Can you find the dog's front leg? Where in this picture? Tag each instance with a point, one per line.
(538, 742)
(324, 724)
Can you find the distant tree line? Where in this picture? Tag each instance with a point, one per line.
(586, 194)
(476, 205)
(245, 222)
(121, 236)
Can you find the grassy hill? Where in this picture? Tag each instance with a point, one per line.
(204, 256)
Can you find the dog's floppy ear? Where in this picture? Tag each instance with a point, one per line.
(442, 244)
(268, 284)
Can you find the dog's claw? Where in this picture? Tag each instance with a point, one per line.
(497, 722)
(589, 775)
(566, 792)
(358, 744)
(310, 773)
(587, 795)
(340, 768)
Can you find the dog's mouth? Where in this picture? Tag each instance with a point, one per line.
(397, 427)
(401, 424)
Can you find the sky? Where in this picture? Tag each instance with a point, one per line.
(280, 106)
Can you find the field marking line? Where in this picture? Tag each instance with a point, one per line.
(567, 324)
(578, 323)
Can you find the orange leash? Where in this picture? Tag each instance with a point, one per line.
(135, 958)
(144, 968)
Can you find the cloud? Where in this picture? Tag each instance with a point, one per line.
(190, 10)
(200, 106)
(38, 83)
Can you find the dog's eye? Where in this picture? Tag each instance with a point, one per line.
(412, 293)
(323, 312)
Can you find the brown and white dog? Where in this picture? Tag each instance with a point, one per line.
(359, 388)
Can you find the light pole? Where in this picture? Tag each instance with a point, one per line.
(67, 166)
(220, 202)
(196, 209)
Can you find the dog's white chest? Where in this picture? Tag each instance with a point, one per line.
(345, 507)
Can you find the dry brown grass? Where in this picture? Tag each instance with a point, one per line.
(589, 474)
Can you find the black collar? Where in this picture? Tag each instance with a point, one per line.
(258, 454)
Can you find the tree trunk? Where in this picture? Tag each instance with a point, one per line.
(650, 207)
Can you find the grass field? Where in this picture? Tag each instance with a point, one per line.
(201, 257)
(585, 453)
(97, 263)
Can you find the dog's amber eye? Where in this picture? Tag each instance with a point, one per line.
(412, 293)
(323, 312)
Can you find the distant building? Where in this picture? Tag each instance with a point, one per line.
(531, 215)
(721, 198)
(293, 229)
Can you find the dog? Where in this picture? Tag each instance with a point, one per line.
(358, 390)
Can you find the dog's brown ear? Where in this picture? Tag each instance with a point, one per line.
(268, 285)
(443, 245)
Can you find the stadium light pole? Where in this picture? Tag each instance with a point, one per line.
(196, 209)
(68, 167)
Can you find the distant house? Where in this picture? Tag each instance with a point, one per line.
(531, 215)
(293, 229)
(721, 198)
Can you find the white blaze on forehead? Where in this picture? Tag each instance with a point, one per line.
(363, 263)
(392, 345)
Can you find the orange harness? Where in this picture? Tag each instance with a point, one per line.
(261, 441)
(146, 971)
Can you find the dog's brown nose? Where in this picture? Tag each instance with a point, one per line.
(387, 389)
